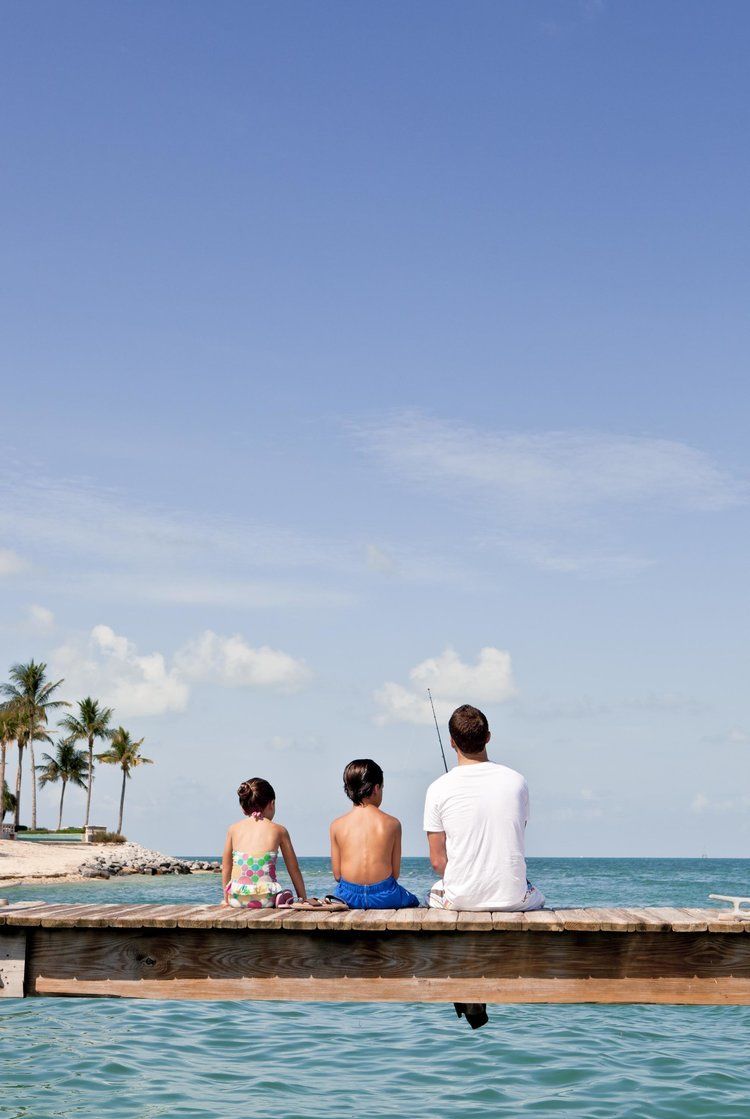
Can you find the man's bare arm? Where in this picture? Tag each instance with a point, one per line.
(438, 853)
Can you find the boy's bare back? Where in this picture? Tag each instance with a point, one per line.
(366, 843)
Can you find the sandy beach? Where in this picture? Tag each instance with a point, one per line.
(44, 863)
(41, 862)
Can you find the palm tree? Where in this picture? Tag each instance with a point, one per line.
(91, 722)
(30, 689)
(8, 801)
(8, 733)
(22, 741)
(68, 765)
(125, 753)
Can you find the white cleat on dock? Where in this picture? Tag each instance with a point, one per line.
(736, 911)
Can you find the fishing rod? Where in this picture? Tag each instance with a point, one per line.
(437, 728)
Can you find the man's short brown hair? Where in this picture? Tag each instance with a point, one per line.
(469, 729)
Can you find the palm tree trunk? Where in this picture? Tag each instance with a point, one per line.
(3, 748)
(122, 802)
(19, 771)
(91, 780)
(33, 777)
(62, 798)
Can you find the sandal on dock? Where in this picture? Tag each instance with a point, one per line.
(328, 903)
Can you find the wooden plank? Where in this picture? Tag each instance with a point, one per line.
(507, 922)
(147, 916)
(439, 920)
(119, 916)
(542, 920)
(615, 920)
(182, 955)
(405, 919)
(680, 992)
(32, 915)
(12, 964)
(646, 920)
(78, 916)
(476, 921)
(683, 920)
(372, 920)
(579, 920)
(304, 919)
(719, 922)
(198, 916)
(20, 907)
(620, 919)
(341, 921)
(229, 917)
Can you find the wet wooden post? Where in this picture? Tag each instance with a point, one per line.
(622, 955)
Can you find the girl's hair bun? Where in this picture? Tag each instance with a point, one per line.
(255, 795)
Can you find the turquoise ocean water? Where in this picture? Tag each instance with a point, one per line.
(138, 1060)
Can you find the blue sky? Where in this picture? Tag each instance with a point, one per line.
(351, 348)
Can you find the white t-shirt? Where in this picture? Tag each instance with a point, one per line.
(483, 809)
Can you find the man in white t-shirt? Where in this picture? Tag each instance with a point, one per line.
(475, 818)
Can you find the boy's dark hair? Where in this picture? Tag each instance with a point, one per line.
(255, 795)
(469, 729)
(360, 778)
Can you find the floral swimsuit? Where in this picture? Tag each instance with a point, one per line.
(253, 884)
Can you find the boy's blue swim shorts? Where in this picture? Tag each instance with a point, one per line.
(387, 894)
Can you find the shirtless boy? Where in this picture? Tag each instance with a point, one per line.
(366, 845)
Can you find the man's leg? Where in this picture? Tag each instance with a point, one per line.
(436, 896)
(534, 899)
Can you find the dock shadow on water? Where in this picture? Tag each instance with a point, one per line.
(87, 1058)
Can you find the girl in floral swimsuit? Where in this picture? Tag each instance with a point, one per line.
(248, 865)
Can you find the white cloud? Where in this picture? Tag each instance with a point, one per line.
(652, 703)
(232, 662)
(735, 736)
(702, 803)
(379, 560)
(10, 562)
(553, 499)
(452, 682)
(240, 593)
(120, 548)
(283, 744)
(109, 667)
(41, 618)
(545, 471)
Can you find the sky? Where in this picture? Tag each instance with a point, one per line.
(354, 349)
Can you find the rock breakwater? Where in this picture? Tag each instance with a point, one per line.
(132, 858)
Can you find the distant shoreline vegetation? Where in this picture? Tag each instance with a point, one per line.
(29, 702)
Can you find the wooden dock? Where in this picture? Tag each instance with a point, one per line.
(684, 956)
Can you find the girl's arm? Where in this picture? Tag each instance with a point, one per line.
(396, 855)
(226, 867)
(291, 864)
(335, 855)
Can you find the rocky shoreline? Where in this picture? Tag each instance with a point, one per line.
(132, 858)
